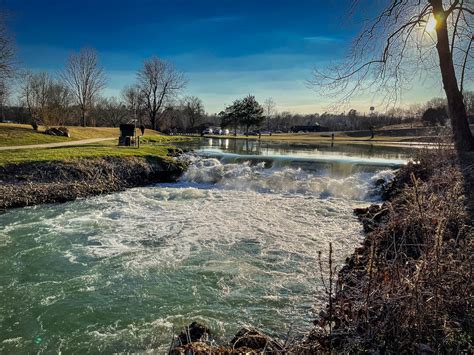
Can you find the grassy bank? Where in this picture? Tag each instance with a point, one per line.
(20, 134)
(32, 176)
(102, 149)
(409, 287)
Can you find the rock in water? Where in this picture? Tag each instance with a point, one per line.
(252, 339)
(194, 332)
(175, 152)
(195, 339)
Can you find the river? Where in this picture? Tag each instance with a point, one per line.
(234, 242)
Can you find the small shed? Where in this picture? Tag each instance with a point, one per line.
(127, 135)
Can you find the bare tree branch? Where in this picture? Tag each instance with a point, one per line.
(159, 83)
(395, 47)
(464, 66)
(85, 78)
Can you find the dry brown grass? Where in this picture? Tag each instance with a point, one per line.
(409, 288)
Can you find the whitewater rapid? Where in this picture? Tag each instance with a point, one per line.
(229, 244)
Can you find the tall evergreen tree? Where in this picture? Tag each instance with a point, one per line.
(246, 112)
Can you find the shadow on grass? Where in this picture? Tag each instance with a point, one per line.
(99, 145)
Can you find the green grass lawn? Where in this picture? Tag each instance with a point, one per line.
(20, 134)
(11, 135)
(107, 148)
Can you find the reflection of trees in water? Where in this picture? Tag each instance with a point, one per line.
(245, 147)
(359, 150)
(256, 147)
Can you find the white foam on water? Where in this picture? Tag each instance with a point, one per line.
(247, 177)
(12, 340)
(5, 239)
(227, 243)
(49, 300)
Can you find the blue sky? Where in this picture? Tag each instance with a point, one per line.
(226, 48)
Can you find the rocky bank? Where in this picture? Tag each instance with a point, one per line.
(409, 287)
(60, 181)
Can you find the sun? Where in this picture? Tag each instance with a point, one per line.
(431, 25)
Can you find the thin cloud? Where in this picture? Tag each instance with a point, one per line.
(321, 39)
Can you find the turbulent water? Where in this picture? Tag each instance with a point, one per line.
(234, 242)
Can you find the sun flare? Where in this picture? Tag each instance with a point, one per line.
(431, 25)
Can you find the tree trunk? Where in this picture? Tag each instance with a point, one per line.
(153, 121)
(463, 139)
(83, 118)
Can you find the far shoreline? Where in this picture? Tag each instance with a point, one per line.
(299, 138)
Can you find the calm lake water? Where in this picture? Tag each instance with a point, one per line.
(234, 242)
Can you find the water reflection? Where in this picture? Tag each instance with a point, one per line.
(256, 147)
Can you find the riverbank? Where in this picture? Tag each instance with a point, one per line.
(409, 287)
(39, 182)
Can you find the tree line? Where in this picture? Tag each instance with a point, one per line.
(247, 112)
(74, 96)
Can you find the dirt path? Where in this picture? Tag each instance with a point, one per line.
(56, 145)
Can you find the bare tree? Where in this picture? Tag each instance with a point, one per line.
(110, 112)
(7, 52)
(59, 101)
(34, 91)
(409, 37)
(193, 110)
(26, 92)
(47, 101)
(270, 109)
(7, 64)
(85, 78)
(159, 84)
(134, 101)
(4, 98)
(469, 102)
(172, 118)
